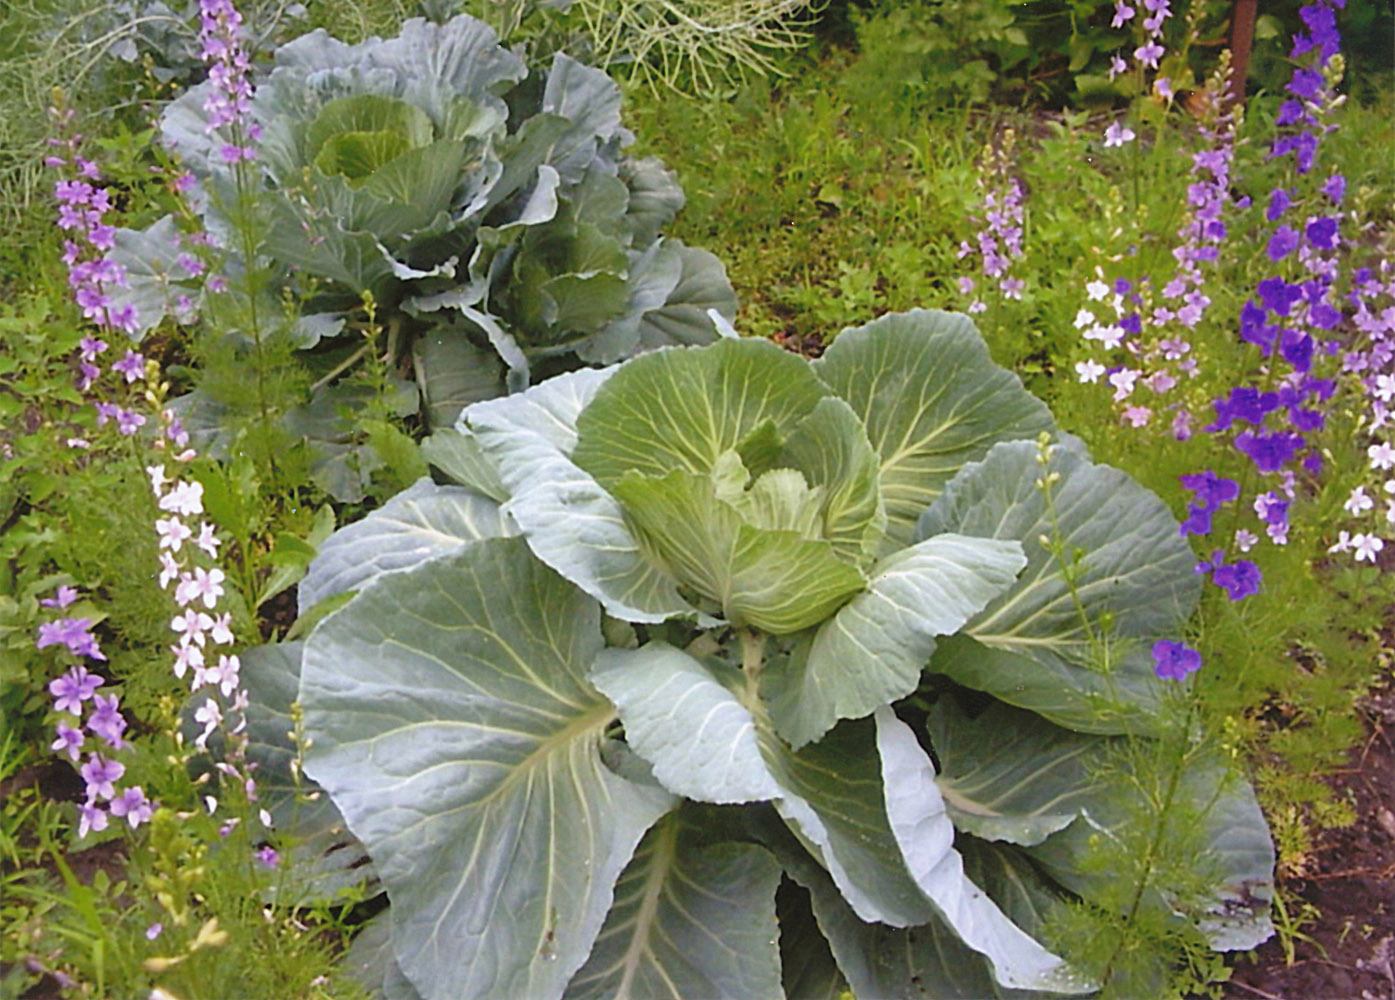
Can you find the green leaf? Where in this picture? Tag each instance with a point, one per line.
(453, 373)
(369, 114)
(452, 723)
(925, 835)
(571, 523)
(810, 971)
(830, 447)
(1008, 774)
(924, 961)
(690, 919)
(873, 650)
(683, 408)
(931, 400)
(775, 580)
(699, 738)
(1029, 647)
(420, 523)
(460, 458)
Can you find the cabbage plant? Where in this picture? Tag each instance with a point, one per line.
(487, 209)
(665, 694)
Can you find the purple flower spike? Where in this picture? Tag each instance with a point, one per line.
(1174, 661)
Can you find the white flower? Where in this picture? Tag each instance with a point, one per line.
(1123, 381)
(1089, 371)
(1366, 547)
(169, 569)
(1245, 540)
(173, 533)
(1358, 502)
(192, 624)
(1096, 290)
(1083, 319)
(186, 499)
(1382, 456)
(186, 655)
(157, 478)
(222, 629)
(208, 541)
(1117, 135)
(207, 584)
(1385, 388)
(211, 717)
(1343, 543)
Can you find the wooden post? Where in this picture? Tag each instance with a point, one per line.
(1242, 36)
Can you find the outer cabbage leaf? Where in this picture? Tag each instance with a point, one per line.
(872, 651)
(925, 834)
(453, 725)
(370, 960)
(691, 919)
(1029, 647)
(1009, 774)
(931, 400)
(570, 522)
(420, 523)
(452, 373)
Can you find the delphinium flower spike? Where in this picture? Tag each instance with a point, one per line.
(998, 243)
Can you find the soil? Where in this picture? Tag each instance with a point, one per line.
(1348, 951)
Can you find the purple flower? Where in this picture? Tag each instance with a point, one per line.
(1297, 349)
(61, 598)
(93, 818)
(73, 688)
(1335, 188)
(106, 720)
(1239, 580)
(1278, 295)
(69, 741)
(101, 775)
(1149, 54)
(1282, 243)
(1322, 233)
(1210, 489)
(1278, 204)
(1174, 661)
(1198, 521)
(267, 856)
(1269, 452)
(132, 366)
(133, 805)
(1123, 13)
(1307, 83)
